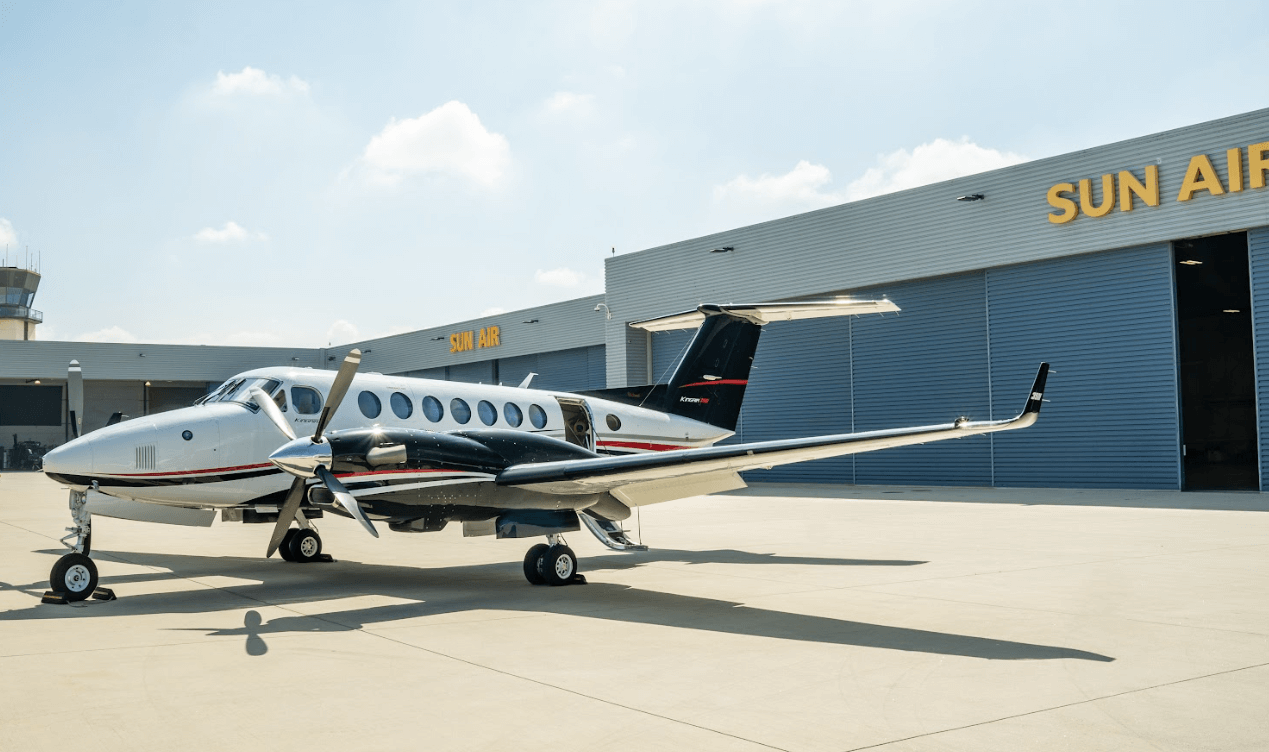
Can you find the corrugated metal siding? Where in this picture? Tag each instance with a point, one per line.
(1258, 257)
(924, 232)
(800, 385)
(48, 359)
(667, 349)
(473, 373)
(569, 370)
(1106, 323)
(440, 374)
(928, 364)
(572, 370)
(559, 326)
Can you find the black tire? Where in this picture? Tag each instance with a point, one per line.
(559, 564)
(533, 564)
(75, 575)
(305, 546)
(284, 548)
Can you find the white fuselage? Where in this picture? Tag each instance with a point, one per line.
(215, 454)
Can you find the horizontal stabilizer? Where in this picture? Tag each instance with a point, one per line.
(765, 313)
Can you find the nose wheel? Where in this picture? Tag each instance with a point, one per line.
(553, 564)
(75, 576)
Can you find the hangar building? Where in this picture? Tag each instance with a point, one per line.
(1139, 269)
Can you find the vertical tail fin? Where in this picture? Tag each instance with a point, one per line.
(710, 381)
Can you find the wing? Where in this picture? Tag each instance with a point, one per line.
(689, 472)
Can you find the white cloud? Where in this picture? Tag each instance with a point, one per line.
(492, 311)
(232, 232)
(562, 277)
(7, 235)
(938, 160)
(255, 82)
(569, 103)
(449, 140)
(805, 186)
(109, 334)
(801, 185)
(340, 332)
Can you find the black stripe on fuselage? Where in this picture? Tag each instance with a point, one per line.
(107, 481)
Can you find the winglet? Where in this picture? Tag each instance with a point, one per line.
(1036, 398)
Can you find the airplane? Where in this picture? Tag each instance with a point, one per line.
(271, 445)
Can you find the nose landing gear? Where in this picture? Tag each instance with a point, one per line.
(74, 576)
(553, 564)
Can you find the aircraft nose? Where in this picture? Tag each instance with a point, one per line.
(71, 458)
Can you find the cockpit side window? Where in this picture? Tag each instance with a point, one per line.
(307, 400)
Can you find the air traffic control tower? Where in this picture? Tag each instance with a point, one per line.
(17, 292)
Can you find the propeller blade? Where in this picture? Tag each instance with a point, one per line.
(75, 398)
(286, 514)
(345, 498)
(271, 409)
(343, 380)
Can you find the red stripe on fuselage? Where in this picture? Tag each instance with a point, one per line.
(235, 468)
(642, 445)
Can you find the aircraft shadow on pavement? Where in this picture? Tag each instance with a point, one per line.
(458, 589)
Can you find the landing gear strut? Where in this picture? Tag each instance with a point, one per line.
(75, 575)
(553, 564)
(302, 544)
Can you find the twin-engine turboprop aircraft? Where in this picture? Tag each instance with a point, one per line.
(273, 445)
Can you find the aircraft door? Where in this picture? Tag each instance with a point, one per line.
(579, 424)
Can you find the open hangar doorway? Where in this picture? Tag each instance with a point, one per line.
(1216, 365)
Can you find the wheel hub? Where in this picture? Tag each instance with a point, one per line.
(77, 578)
(308, 546)
(564, 567)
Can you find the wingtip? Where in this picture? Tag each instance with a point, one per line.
(1036, 397)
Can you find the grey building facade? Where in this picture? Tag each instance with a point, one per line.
(1139, 269)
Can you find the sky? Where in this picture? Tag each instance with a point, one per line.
(314, 173)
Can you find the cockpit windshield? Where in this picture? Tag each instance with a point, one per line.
(239, 390)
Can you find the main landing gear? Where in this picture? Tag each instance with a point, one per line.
(302, 544)
(552, 563)
(74, 576)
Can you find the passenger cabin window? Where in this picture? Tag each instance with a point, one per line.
(307, 400)
(459, 410)
(537, 416)
(369, 404)
(432, 409)
(614, 423)
(511, 411)
(402, 407)
(488, 413)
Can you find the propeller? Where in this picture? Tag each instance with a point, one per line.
(311, 457)
(75, 398)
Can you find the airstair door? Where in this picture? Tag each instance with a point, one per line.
(579, 424)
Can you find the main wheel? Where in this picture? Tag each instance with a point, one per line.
(284, 548)
(533, 564)
(559, 564)
(75, 575)
(305, 546)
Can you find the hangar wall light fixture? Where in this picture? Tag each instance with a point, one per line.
(607, 310)
(724, 249)
(971, 197)
(439, 339)
(530, 321)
